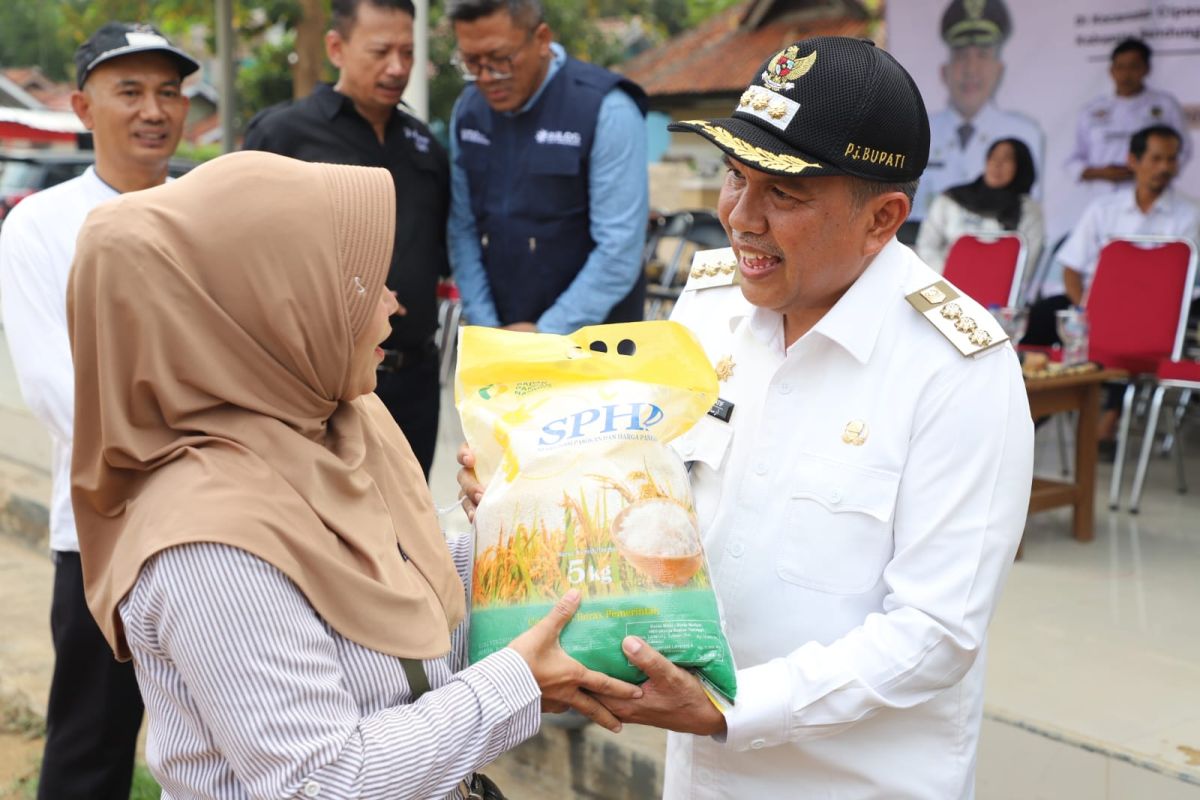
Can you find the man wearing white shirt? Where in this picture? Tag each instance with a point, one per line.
(961, 134)
(129, 95)
(1106, 123)
(1150, 207)
(864, 488)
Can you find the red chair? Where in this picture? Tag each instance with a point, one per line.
(1174, 374)
(988, 268)
(1137, 315)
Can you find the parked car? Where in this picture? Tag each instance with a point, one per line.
(24, 172)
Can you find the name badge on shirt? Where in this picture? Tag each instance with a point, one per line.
(722, 410)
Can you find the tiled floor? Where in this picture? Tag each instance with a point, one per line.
(1094, 668)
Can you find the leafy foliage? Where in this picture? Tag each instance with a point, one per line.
(46, 33)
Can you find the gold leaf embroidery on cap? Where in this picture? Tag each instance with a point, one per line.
(777, 109)
(744, 151)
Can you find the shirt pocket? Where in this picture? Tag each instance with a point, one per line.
(837, 533)
(553, 174)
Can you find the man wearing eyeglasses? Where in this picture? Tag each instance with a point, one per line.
(548, 177)
(361, 121)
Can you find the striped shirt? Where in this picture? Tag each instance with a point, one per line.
(251, 694)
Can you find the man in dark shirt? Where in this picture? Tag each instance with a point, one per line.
(359, 121)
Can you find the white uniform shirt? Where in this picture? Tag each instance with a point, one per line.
(1118, 214)
(1106, 125)
(857, 582)
(37, 245)
(947, 221)
(951, 164)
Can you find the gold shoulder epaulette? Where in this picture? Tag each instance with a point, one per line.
(967, 325)
(713, 268)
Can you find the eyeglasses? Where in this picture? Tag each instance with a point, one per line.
(499, 67)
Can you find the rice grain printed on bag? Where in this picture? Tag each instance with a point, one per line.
(570, 435)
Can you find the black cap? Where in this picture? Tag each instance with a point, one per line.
(975, 22)
(116, 39)
(829, 105)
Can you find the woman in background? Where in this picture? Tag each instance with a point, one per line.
(997, 201)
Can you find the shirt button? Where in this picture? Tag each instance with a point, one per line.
(688, 448)
(312, 789)
(760, 468)
(736, 549)
(758, 744)
(785, 388)
(835, 495)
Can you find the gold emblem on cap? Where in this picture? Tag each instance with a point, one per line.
(785, 67)
(974, 8)
(855, 433)
(725, 368)
(747, 96)
(934, 295)
(778, 109)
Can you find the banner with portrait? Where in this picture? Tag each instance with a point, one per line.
(1048, 61)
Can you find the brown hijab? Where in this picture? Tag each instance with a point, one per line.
(212, 321)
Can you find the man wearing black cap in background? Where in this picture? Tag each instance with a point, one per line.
(960, 134)
(863, 489)
(360, 120)
(130, 98)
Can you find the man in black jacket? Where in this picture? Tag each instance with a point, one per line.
(360, 120)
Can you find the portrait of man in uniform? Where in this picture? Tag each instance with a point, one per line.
(961, 133)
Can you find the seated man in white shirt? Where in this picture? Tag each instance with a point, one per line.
(864, 493)
(130, 97)
(1150, 208)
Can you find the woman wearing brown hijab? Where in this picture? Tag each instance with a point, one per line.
(254, 530)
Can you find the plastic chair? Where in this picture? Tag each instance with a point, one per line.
(700, 229)
(1137, 317)
(987, 267)
(449, 314)
(1184, 375)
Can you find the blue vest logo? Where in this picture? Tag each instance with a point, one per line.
(565, 138)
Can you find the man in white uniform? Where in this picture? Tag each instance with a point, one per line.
(863, 488)
(863, 502)
(130, 98)
(1099, 158)
(961, 133)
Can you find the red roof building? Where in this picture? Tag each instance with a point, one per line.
(720, 56)
(701, 73)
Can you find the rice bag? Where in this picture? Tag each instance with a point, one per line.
(570, 435)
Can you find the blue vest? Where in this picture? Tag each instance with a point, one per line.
(528, 176)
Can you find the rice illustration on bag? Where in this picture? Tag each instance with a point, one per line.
(570, 434)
